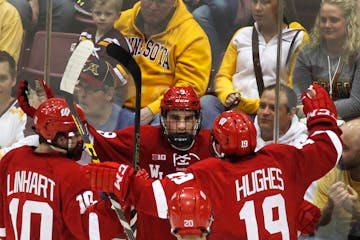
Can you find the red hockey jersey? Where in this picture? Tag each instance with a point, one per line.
(256, 197)
(157, 157)
(48, 196)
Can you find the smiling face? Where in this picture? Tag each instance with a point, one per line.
(332, 23)
(266, 114)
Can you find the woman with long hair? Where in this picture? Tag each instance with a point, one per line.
(331, 58)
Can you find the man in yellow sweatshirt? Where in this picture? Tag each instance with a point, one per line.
(170, 48)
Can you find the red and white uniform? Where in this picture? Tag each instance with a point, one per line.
(48, 196)
(157, 157)
(257, 197)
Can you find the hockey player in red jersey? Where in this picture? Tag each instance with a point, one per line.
(165, 149)
(44, 193)
(253, 195)
(190, 214)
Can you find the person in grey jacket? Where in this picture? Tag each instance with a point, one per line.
(332, 58)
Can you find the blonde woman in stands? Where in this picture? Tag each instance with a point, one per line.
(331, 58)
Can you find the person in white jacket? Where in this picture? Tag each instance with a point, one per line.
(291, 130)
(12, 119)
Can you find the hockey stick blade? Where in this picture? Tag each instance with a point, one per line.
(75, 65)
(126, 59)
(67, 86)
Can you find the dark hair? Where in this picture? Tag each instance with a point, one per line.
(289, 93)
(6, 57)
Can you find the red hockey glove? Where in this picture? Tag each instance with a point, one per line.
(22, 95)
(110, 177)
(308, 217)
(318, 106)
(142, 174)
(48, 91)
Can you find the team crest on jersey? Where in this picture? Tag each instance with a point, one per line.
(182, 161)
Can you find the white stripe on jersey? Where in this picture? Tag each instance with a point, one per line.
(160, 199)
(94, 231)
(335, 140)
(2, 232)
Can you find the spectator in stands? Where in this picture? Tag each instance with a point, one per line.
(338, 191)
(12, 119)
(11, 30)
(96, 91)
(239, 82)
(291, 130)
(171, 49)
(331, 58)
(33, 14)
(104, 13)
(220, 19)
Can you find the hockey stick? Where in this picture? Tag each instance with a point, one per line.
(67, 86)
(126, 59)
(122, 56)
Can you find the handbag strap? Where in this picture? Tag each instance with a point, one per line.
(292, 45)
(256, 61)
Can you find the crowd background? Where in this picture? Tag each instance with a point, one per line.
(205, 31)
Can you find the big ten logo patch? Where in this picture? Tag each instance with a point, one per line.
(158, 157)
(244, 144)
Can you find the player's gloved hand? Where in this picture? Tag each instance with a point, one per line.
(110, 177)
(48, 91)
(23, 99)
(22, 96)
(308, 217)
(142, 174)
(318, 106)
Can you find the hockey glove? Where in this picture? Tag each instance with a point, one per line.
(22, 96)
(308, 217)
(110, 177)
(319, 108)
(23, 99)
